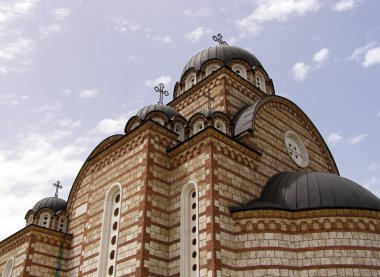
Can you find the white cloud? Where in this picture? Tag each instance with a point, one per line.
(11, 10)
(165, 79)
(344, 5)
(373, 181)
(300, 70)
(164, 39)
(367, 55)
(372, 57)
(197, 34)
(11, 99)
(53, 107)
(61, 13)
(68, 123)
(372, 167)
(357, 139)
(88, 93)
(123, 25)
(275, 10)
(28, 170)
(111, 126)
(321, 56)
(333, 139)
(202, 12)
(14, 56)
(48, 30)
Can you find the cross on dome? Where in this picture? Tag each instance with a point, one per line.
(219, 38)
(160, 89)
(57, 187)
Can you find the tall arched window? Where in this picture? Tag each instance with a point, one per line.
(191, 80)
(220, 125)
(44, 220)
(7, 272)
(189, 231)
(240, 70)
(110, 232)
(198, 126)
(178, 128)
(260, 82)
(62, 224)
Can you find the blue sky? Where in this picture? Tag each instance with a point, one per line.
(73, 72)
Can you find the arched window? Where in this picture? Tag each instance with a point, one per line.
(220, 125)
(134, 125)
(110, 232)
(62, 224)
(7, 272)
(198, 126)
(191, 80)
(29, 220)
(260, 82)
(158, 120)
(189, 231)
(44, 220)
(211, 69)
(240, 70)
(178, 128)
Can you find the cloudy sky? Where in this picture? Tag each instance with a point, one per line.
(73, 72)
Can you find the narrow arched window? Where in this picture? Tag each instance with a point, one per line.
(198, 126)
(7, 272)
(189, 231)
(239, 70)
(62, 224)
(260, 82)
(110, 232)
(220, 125)
(191, 81)
(178, 128)
(211, 69)
(30, 219)
(44, 220)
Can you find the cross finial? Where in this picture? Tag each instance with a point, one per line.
(219, 38)
(57, 187)
(209, 98)
(160, 89)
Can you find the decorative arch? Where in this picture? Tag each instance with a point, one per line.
(7, 272)
(240, 70)
(191, 80)
(260, 81)
(220, 125)
(44, 219)
(189, 230)
(110, 231)
(180, 131)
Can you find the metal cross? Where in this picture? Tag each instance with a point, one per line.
(219, 38)
(209, 98)
(160, 89)
(57, 187)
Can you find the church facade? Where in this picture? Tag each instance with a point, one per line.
(227, 179)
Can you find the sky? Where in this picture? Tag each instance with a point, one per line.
(73, 72)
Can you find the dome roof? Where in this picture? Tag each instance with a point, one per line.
(169, 111)
(223, 53)
(295, 191)
(54, 203)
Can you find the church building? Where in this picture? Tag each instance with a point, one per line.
(227, 179)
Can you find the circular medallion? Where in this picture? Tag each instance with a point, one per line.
(296, 149)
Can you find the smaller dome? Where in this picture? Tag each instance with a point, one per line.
(169, 111)
(54, 203)
(295, 191)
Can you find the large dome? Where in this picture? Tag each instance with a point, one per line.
(295, 191)
(54, 203)
(223, 53)
(169, 111)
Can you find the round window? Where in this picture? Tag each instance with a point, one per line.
(296, 149)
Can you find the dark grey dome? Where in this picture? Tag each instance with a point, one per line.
(223, 53)
(54, 203)
(169, 111)
(295, 191)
